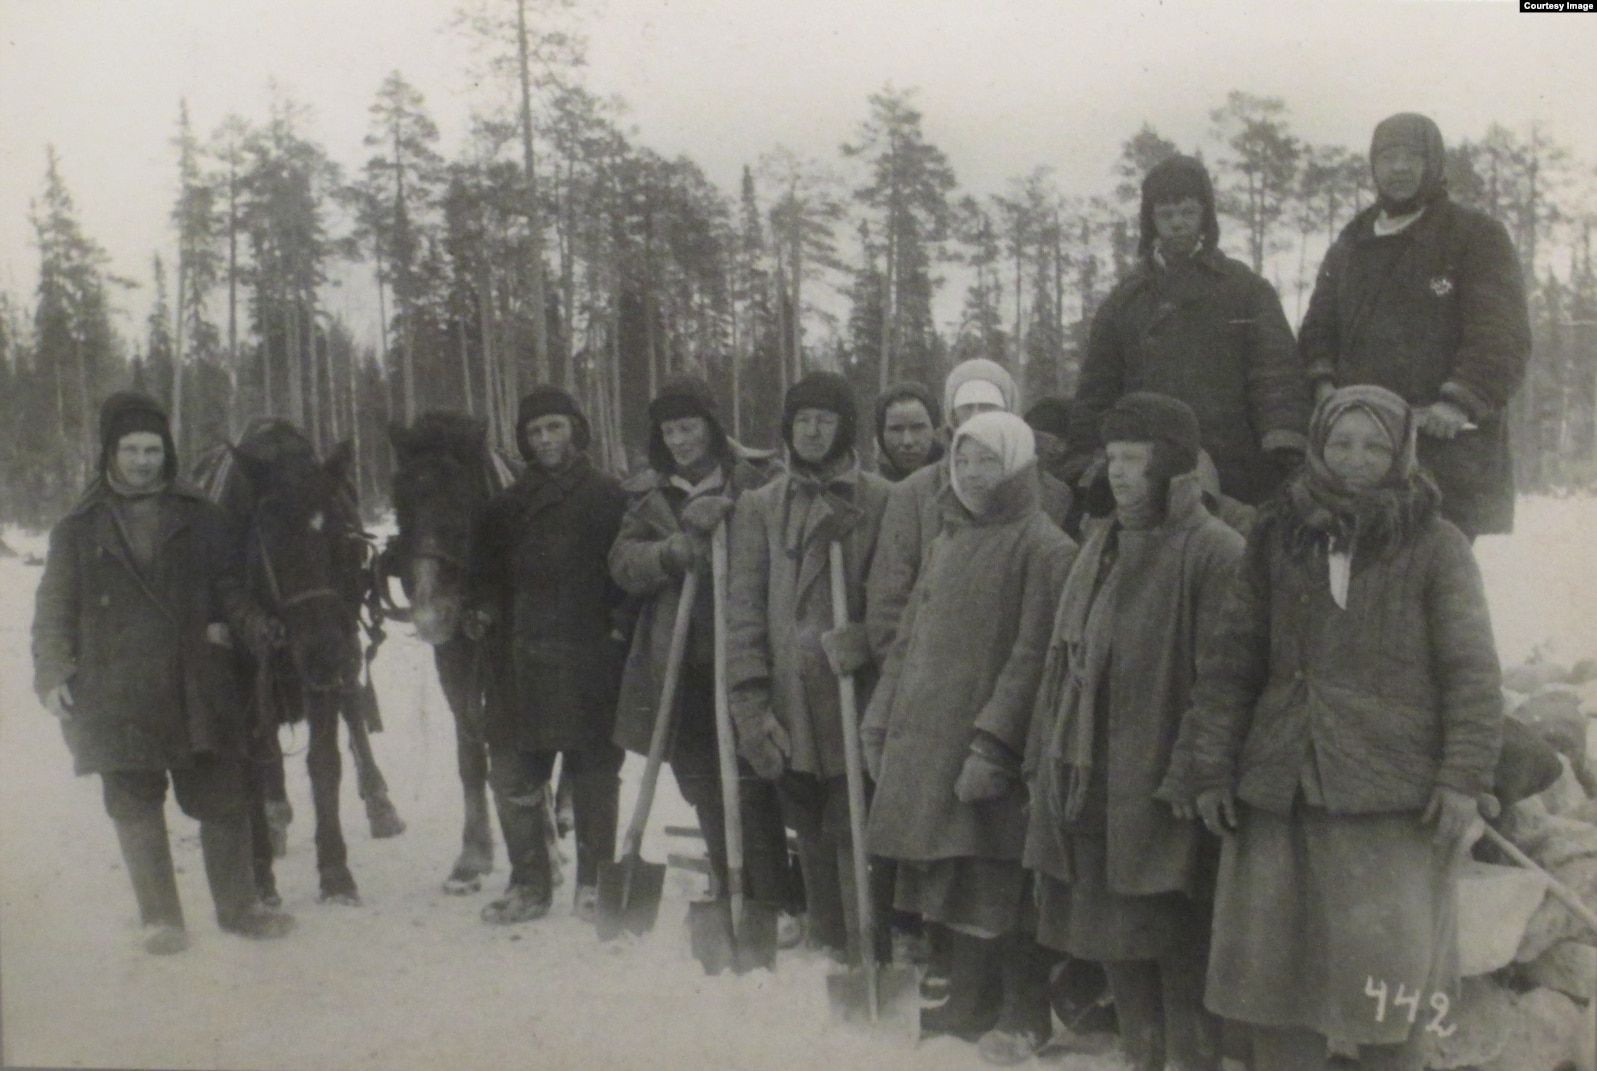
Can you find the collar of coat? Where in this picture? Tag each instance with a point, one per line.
(1015, 498)
(537, 488)
(1210, 260)
(745, 471)
(1361, 228)
(99, 491)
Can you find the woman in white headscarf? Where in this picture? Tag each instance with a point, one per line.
(946, 731)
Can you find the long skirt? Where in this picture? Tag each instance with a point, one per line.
(1340, 924)
(989, 895)
(1089, 920)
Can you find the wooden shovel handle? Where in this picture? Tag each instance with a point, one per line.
(1563, 893)
(662, 716)
(731, 796)
(854, 767)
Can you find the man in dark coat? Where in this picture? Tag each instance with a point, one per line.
(1192, 323)
(907, 422)
(1424, 297)
(542, 596)
(132, 651)
(696, 474)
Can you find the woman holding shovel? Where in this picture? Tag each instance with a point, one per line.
(1344, 725)
(946, 731)
(695, 475)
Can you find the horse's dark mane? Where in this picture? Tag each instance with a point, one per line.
(461, 436)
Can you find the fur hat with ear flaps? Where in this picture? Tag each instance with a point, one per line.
(126, 412)
(549, 401)
(1171, 181)
(828, 391)
(679, 397)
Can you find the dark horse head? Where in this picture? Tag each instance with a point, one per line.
(444, 473)
(304, 547)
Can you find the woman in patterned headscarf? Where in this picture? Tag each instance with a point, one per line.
(1344, 725)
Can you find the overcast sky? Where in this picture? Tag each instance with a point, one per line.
(1005, 85)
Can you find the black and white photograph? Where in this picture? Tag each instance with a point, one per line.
(670, 535)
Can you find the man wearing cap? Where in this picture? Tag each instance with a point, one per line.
(907, 417)
(543, 599)
(695, 476)
(914, 514)
(132, 651)
(1192, 323)
(784, 655)
(1424, 297)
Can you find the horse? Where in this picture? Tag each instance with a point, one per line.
(298, 531)
(444, 474)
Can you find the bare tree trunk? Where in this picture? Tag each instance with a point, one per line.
(465, 364)
(232, 297)
(296, 363)
(540, 329)
(382, 335)
(177, 349)
(797, 256)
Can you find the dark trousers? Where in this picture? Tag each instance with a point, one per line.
(767, 877)
(816, 810)
(519, 778)
(696, 764)
(212, 791)
(1159, 1004)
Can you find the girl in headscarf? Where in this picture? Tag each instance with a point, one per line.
(946, 730)
(1344, 725)
(1123, 882)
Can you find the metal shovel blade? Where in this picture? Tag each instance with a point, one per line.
(718, 947)
(629, 897)
(897, 999)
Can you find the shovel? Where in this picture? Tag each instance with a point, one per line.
(872, 993)
(1561, 892)
(729, 931)
(629, 889)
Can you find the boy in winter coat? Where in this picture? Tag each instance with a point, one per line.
(946, 730)
(132, 653)
(784, 654)
(695, 476)
(1345, 720)
(543, 598)
(1123, 882)
(1423, 296)
(1192, 323)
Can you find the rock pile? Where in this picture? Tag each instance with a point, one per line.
(1529, 1000)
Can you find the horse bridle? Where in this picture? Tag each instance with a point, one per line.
(276, 591)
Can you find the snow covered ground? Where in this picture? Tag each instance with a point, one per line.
(412, 979)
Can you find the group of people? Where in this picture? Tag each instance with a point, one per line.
(1191, 676)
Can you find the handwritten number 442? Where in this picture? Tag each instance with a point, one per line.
(1440, 1005)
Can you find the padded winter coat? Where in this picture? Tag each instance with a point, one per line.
(781, 602)
(968, 656)
(1212, 334)
(911, 522)
(1393, 696)
(151, 682)
(1174, 580)
(652, 518)
(539, 569)
(1434, 312)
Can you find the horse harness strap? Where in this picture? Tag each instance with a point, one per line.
(277, 592)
